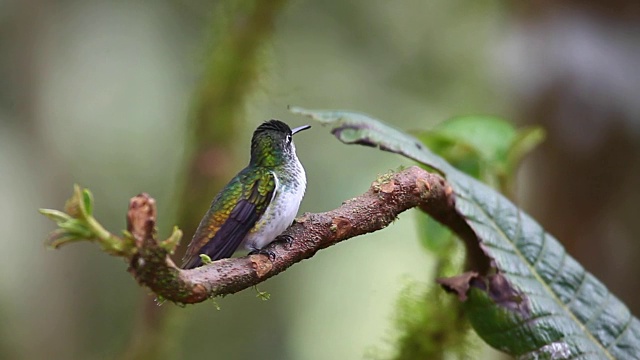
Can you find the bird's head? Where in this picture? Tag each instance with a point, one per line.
(272, 143)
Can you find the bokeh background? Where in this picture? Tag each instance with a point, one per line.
(104, 93)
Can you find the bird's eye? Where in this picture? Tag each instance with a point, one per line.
(289, 139)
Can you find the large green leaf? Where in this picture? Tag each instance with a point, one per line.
(540, 303)
(485, 147)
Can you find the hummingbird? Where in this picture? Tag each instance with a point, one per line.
(258, 204)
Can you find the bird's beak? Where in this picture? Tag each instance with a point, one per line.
(300, 128)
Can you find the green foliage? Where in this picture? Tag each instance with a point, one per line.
(78, 224)
(538, 302)
(172, 242)
(479, 146)
(430, 324)
(262, 295)
(485, 147)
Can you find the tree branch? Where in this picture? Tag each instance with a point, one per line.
(388, 196)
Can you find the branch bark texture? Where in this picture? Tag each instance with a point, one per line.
(388, 196)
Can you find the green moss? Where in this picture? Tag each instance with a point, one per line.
(381, 180)
(386, 177)
(262, 295)
(215, 303)
(431, 325)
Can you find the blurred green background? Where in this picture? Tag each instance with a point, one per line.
(100, 93)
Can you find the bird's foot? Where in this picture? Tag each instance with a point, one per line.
(285, 239)
(270, 254)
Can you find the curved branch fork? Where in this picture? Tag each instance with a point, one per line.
(388, 196)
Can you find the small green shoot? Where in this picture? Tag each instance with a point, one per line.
(206, 260)
(263, 295)
(171, 243)
(215, 304)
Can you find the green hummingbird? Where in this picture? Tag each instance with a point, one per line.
(258, 204)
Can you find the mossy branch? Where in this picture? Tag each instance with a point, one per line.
(151, 265)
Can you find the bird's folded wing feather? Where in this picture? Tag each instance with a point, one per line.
(221, 232)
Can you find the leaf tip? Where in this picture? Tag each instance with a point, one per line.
(496, 287)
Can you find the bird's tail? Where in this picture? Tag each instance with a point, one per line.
(190, 262)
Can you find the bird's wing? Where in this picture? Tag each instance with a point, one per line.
(224, 227)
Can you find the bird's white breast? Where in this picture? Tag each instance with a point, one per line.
(281, 212)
